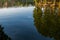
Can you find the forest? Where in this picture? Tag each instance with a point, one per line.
(8, 3)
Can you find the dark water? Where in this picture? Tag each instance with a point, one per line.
(18, 23)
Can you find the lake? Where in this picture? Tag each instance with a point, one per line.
(18, 23)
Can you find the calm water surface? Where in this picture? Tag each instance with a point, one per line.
(19, 23)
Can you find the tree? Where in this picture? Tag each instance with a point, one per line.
(3, 36)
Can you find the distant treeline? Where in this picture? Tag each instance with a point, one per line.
(8, 3)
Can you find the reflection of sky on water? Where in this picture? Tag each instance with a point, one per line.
(14, 11)
(18, 23)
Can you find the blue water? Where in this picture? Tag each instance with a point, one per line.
(18, 23)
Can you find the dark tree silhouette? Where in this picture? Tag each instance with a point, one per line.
(3, 36)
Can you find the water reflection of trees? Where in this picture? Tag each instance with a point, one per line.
(49, 23)
(3, 36)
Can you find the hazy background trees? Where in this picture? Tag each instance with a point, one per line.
(8, 3)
